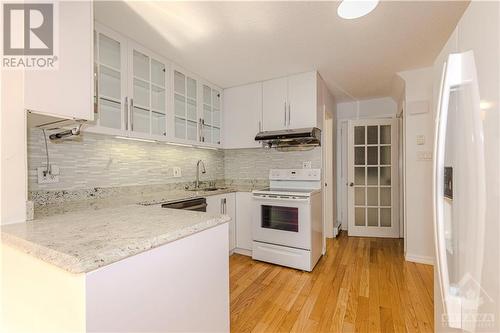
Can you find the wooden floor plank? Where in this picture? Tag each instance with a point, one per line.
(362, 285)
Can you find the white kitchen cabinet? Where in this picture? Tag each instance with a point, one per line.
(66, 91)
(211, 115)
(186, 120)
(142, 94)
(242, 116)
(110, 57)
(147, 88)
(224, 204)
(131, 87)
(244, 213)
(291, 102)
(302, 100)
(274, 104)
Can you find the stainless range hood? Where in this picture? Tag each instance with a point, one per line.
(291, 138)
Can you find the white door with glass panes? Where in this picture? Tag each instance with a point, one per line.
(147, 89)
(372, 177)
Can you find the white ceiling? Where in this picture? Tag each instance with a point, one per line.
(233, 43)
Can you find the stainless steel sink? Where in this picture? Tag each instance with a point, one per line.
(207, 189)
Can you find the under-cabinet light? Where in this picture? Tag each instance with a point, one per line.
(178, 144)
(134, 139)
(210, 148)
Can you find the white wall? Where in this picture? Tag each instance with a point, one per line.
(370, 108)
(418, 181)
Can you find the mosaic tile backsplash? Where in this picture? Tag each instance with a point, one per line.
(92, 160)
(255, 163)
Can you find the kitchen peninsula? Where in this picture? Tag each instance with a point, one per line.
(126, 268)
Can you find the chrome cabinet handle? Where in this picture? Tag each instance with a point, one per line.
(199, 129)
(131, 114)
(96, 87)
(284, 123)
(202, 126)
(289, 112)
(125, 108)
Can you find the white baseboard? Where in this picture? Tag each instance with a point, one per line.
(419, 259)
(244, 252)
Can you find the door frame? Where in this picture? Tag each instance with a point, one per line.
(352, 229)
(342, 165)
(329, 218)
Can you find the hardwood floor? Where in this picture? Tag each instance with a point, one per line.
(361, 285)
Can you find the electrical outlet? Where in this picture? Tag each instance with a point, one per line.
(45, 177)
(424, 155)
(177, 172)
(306, 165)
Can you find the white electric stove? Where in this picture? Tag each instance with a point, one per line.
(287, 224)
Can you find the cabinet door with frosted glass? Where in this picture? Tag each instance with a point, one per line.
(185, 107)
(148, 103)
(211, 115)
(110, 69)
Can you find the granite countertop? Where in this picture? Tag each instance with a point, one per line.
(82, 235)
(82, 241)
(145, 198)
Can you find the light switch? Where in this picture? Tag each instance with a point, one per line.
(420, 140)
(177, 172)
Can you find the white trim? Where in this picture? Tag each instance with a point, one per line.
(336, 230)
(419, 259)
(244, 252)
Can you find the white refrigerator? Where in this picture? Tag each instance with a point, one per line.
(466, 183)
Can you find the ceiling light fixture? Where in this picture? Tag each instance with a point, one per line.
(352, 9)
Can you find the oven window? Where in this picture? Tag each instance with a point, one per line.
(280, 218)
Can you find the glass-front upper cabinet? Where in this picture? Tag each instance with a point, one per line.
(211, 115)
(148, 103)
(185, 107)
(141, 94)
(110, 72)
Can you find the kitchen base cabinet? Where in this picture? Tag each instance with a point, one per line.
(225, 204)
(244, 212)
(180, 286)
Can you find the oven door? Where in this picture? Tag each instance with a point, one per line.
(282, 221)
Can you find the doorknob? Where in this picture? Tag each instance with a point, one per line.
(351, 184)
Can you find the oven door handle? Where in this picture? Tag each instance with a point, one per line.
(280, 199)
